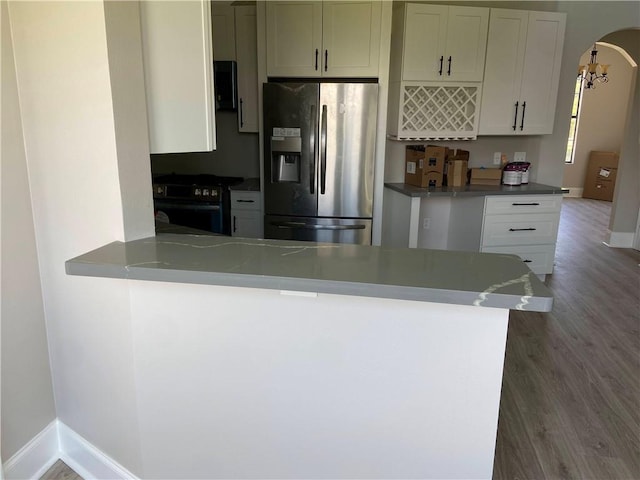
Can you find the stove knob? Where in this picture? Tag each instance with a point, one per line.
(197, 192)
(205, 192)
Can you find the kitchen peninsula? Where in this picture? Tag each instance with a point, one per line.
(521, 220)
(284, 359)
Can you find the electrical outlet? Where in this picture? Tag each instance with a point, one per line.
(496, 158)
(426, 223)
(520, 157)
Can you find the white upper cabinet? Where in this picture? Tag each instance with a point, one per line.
(247, 58)
(351, 39)
(436, 71)
(316, 39)
(444, 43)
(294, 39)
(224, 36)
(178, 65)
(524, 54)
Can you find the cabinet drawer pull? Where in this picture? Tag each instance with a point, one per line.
(530, 229)
(441, 60)
(527, 261)
(449, 67)
(524, 106)
(515, 118)
(235, 224)
(316, 59)
(533, 204)
(326, 64)
(245, 201)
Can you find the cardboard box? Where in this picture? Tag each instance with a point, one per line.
(600, 181)
(459, 154)
(486, 176)
(424, 166)
(433, 179)
(457, 172)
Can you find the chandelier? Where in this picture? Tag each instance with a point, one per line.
(593, 72)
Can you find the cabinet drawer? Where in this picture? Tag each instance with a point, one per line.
(539, 258)
(528, 229)
(498, 204)
(243, 200)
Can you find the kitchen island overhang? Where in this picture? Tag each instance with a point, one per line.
(338, 383)
(454, 277)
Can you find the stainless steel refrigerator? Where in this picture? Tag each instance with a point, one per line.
(319, 146)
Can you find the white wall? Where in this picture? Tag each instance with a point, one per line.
(70, 142)
(124, 46)
(27, 393)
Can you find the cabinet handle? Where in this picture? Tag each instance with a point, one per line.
(515, 118)
(527, 261)
(441, 60)
(316, 59)
(449, 67)
(326, 59)
(235, 224)
(241, 116)
(525, 204)
(530, 229)
(245, 201)
(524, 106)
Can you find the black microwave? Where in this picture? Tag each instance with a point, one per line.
(225, 81)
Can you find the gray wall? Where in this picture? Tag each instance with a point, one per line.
(237, 154)
(27, 394)
(627, 196)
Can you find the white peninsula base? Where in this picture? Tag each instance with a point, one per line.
(251, 383)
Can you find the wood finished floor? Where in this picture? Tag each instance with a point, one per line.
(60, 471)
(570, 406)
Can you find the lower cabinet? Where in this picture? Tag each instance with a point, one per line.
(523, 225)
(246, 214)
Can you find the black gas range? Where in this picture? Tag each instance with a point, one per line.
(197, 201)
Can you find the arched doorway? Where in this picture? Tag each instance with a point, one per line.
(606, 124)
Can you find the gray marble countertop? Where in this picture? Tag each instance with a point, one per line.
(475, 190)
(461, 278)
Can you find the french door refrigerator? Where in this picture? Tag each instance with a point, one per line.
(319, 146)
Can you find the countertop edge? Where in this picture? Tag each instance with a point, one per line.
(475, 190)
(149, 271)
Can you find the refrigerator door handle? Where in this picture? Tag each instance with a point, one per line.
(323, 151)
(307, 226)
(312, 150)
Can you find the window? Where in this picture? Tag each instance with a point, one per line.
(573, 127)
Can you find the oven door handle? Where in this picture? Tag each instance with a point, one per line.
(192, 206)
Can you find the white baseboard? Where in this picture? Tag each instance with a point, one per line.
(574, 192)
(36, 457)
(87, 460)
(57, 441)
(620, 239)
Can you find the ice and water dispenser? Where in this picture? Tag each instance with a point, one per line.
(286, 158)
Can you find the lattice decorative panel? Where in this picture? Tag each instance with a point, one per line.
(442, 112)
